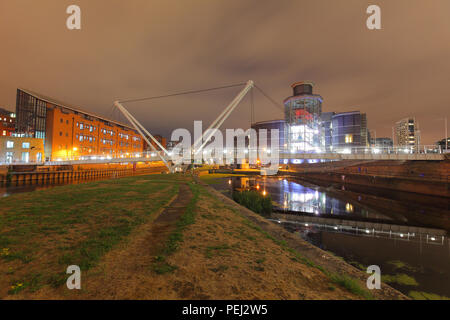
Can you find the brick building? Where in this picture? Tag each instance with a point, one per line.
(70, 133)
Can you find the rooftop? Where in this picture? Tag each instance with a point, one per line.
(73, 108)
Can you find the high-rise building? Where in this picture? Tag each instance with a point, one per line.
(349, 129)
(302, 115)
(407, 133)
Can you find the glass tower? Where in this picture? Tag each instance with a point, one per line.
(302, 115)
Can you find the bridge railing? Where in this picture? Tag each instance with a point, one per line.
(246, 152)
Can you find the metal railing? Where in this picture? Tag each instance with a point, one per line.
(247, 152)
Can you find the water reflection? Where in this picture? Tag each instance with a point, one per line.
(402, 233)
(294, 197)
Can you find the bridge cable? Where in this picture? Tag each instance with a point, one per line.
(182, 93)
(270, 99)
(252, 111)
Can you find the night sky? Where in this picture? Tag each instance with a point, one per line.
(139, 48)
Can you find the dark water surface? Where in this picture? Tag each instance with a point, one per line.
(413, 261)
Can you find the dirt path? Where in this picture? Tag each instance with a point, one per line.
(126, 273)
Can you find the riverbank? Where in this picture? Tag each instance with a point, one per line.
(133, 239)
(416, 177)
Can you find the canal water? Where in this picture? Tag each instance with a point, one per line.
(416, 263)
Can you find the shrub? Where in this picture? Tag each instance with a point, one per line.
(254, 201)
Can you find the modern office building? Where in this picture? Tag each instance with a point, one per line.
(70, 133)
(7, 122)
(348, 130)
(269, 126)
(407, 133)
(326, 127)
(382, 143)
(21, 150)
(302, 116)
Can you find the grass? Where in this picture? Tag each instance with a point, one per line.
(254, 201)
(45, 231)
(352, 285)
(219, 250)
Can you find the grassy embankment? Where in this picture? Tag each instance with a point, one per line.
(43, 232)
(214, 252)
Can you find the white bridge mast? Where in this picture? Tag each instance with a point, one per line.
(215, 125)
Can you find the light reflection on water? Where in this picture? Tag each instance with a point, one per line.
(293, 196)
(427, 259)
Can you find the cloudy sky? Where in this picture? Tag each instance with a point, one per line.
(140, 48)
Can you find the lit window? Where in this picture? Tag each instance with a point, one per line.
(4, 132)
(9, 157)
(348, 138)
(10, 144)
(349, 207)
(25, 145)
(25, 156)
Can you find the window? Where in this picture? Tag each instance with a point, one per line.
(67, 121)
(348, 138)
(25, 156)
(10, 144)
(9, 157)
(61, 120)
(60, 133)
(67, 134)
(25, 145)
(4, 132)
(39, 157)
